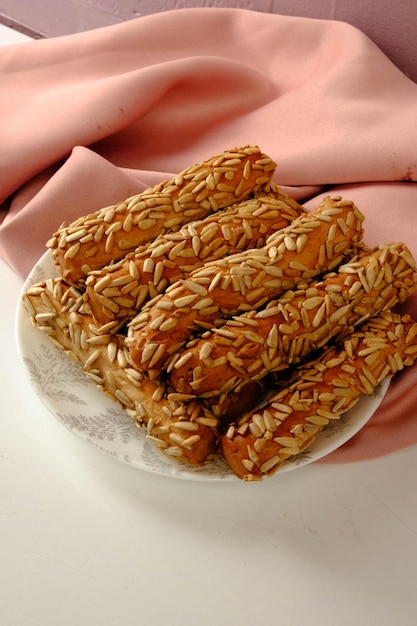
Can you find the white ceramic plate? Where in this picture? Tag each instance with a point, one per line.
(75, 402)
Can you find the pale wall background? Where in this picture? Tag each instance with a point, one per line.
(391, 24)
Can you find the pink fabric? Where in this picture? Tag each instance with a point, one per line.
(91, 118)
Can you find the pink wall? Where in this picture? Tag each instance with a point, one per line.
(391, 25)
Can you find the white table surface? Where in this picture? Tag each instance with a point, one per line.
(88, 540)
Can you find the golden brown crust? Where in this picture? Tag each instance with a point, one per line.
(251, 345)
(95, 240)
(313, 243)
(258, 444)
(118, 291)
(185, 431)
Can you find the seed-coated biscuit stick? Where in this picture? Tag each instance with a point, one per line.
(184, 431)
(251, 345)
(116, 292)
(95, 240)
(323, 390)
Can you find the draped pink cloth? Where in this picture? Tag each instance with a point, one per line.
(92, 118)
